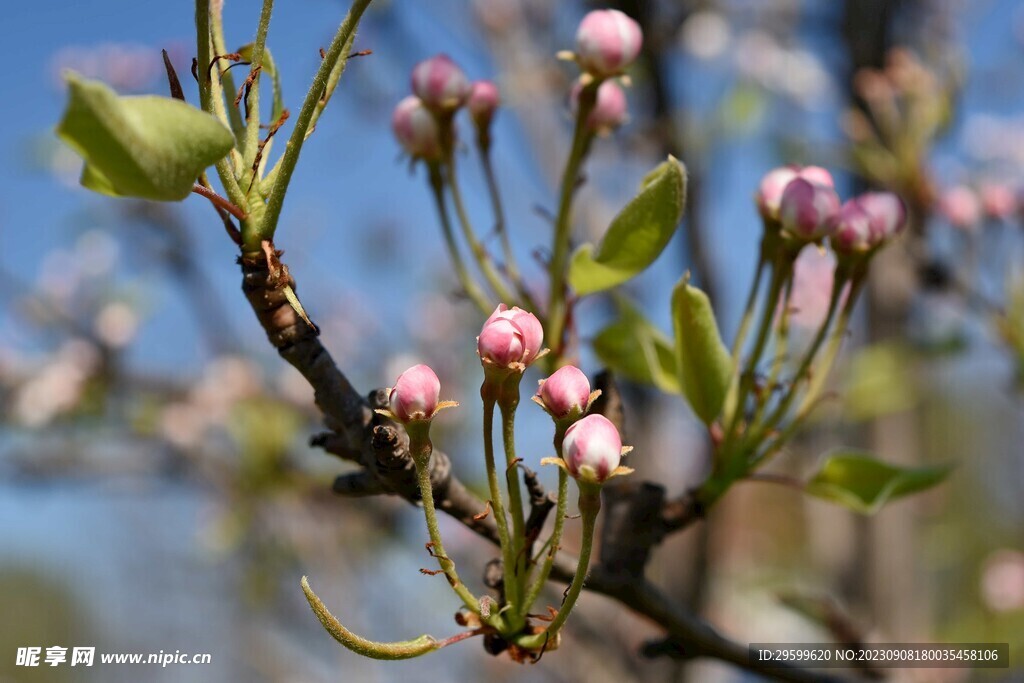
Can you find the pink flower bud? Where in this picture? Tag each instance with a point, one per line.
(961, 207)
(440, 83)
(807, 209)
(483, 103)
(818, 175)
(773, 184)
(998, 201)
(607, 41)
(415, 394)
(887, 213)
(416, 129)
(510, 337)
(769, 192)
(565, 391)
(852, 231)
(610, 110)
(592, 449)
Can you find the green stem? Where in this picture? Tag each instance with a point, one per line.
(520, 562)
(500, 226)
(581, 139)
(497, 503)
(212, 101)
(228, 79)
(420, 448)
(590, 505)
(553, 543)
(483, 259)
(781, 272)
(291, 153)
(805, 365)
(469, 284)
(748, 311)
(780, 350)
(832, 350)
(252, 125)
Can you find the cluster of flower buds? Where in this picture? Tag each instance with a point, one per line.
(591, 446)
(965, 208)
(803, 203)
(440, 88)
(607, 42)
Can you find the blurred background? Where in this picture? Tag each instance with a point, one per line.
(157, 489)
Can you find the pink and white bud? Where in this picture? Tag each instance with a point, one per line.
(416, 129)
(566, 391)
(610, 110)
(808, 210)
(607, 41)
(998, 201)
(483, 102)
(440, 83)
(415, 394)
(852, 232)
(592, 449)
(818, 175)
(961, 207)
(887, 213)
(773, 184)
(510, 337)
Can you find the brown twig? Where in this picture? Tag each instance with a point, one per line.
(218, 201)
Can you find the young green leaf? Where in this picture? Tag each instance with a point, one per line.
(705, 364)
(863, 483)
(634, 348)
(638, 234)
(144, 146)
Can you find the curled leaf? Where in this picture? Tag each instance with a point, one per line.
(141, 146)
(705, 364)
(392, 651)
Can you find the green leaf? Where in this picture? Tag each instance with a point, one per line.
(270, 69)
(634, 348)
(145, 146)
(705, 364)
(863, 483)
(638, 234)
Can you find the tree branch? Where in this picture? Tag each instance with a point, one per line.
(382, 448)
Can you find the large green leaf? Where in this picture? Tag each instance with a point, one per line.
(863, 483)
(638, 234)
(634, 348)
(705, 364)
(144, 146)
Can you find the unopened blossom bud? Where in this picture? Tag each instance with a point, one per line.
(440, 83)
(773, 184)
(852, 232)
(511, 338)
(887, 213)
(416, 129)
(610, 108)
(565, 392)
(592, 449)
(807, 209)
(607, 41)
(997, 201)
(483, 103)
(415, 394)
(961, 207)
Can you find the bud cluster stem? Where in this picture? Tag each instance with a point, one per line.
(582, 137)
(516, 572)
(420, 448)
